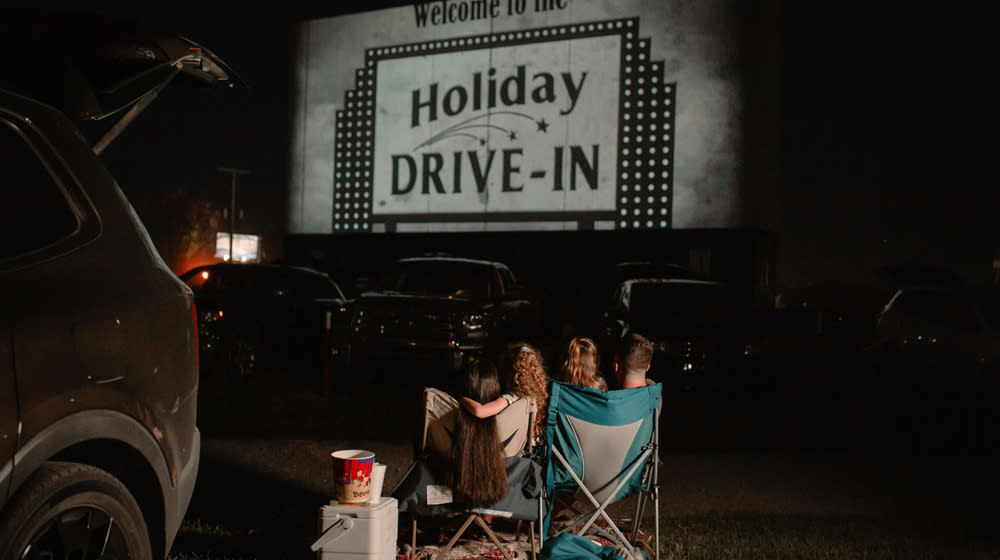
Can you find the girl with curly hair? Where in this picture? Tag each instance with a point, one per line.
(524, 376)
(580, 367)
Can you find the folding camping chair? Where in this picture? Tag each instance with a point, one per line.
(604, 446)
(422, 492)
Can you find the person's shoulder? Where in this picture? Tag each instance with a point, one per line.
(510, 398)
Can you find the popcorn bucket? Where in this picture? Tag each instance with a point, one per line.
(352, 475)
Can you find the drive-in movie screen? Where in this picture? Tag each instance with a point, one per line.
(516, 115)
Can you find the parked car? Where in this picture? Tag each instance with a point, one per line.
(438, 311)
(98, 343)
(703, 337)
(245, 309)
(939, 336)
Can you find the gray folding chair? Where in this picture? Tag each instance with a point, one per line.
(523, 499)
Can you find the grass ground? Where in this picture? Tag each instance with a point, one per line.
(708, 537)
(818, 466)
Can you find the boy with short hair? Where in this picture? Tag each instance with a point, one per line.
(632, 361)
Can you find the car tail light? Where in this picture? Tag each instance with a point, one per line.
(197, 358)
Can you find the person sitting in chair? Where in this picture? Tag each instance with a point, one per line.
(632, 361)
(478, 476)
(524, 376)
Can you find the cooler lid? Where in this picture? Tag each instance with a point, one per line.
(386, 505)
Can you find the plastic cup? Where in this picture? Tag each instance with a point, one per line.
(378, 477)
(352, 474)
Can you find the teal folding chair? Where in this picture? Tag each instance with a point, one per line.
(604, 447)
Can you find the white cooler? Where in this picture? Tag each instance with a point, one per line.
(361, 532)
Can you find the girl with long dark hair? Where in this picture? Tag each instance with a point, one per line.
(478, 474)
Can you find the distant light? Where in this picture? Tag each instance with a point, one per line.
(235, 249)
(204, 275)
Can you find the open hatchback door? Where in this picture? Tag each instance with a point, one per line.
(99, 69)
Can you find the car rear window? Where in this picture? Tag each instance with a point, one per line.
(680, 299)
(430, 278)
(316, 286)
(34, 211)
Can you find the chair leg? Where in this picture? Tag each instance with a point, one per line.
(656, 519)
(454, 539)
(640, 510)
(531, 531)
(413, 536)
(493, 537)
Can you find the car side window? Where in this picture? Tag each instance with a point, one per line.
(960, 313)
(507, 280)
(943, 308)
(34, 211)
(216, 283)
(619, 298)
(499, 285)
(321, 286)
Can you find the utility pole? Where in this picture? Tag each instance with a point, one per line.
(232, 204)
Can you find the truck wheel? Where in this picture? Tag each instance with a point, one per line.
(71, 510)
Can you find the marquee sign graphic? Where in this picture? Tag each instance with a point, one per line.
(569, 126)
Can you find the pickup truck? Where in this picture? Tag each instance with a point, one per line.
(437, 312)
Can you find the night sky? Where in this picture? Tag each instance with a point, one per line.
(887, 129)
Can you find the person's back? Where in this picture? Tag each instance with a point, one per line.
(478, 475)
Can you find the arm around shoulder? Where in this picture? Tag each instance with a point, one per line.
(484, 410)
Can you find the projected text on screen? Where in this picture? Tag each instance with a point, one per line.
(568, 124)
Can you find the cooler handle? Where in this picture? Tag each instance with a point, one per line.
(341, 525)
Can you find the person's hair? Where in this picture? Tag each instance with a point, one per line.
(478, 473)
(635, 353)
(527, 378)
(580, 367)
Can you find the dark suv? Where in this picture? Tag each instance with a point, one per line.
(99, 447)
(703, 337)
(280, 311)
(437, 311)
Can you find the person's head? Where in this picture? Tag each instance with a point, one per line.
(580, 367)
(526, 374)
(527, 377)
(632, 360)
(482, 382)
